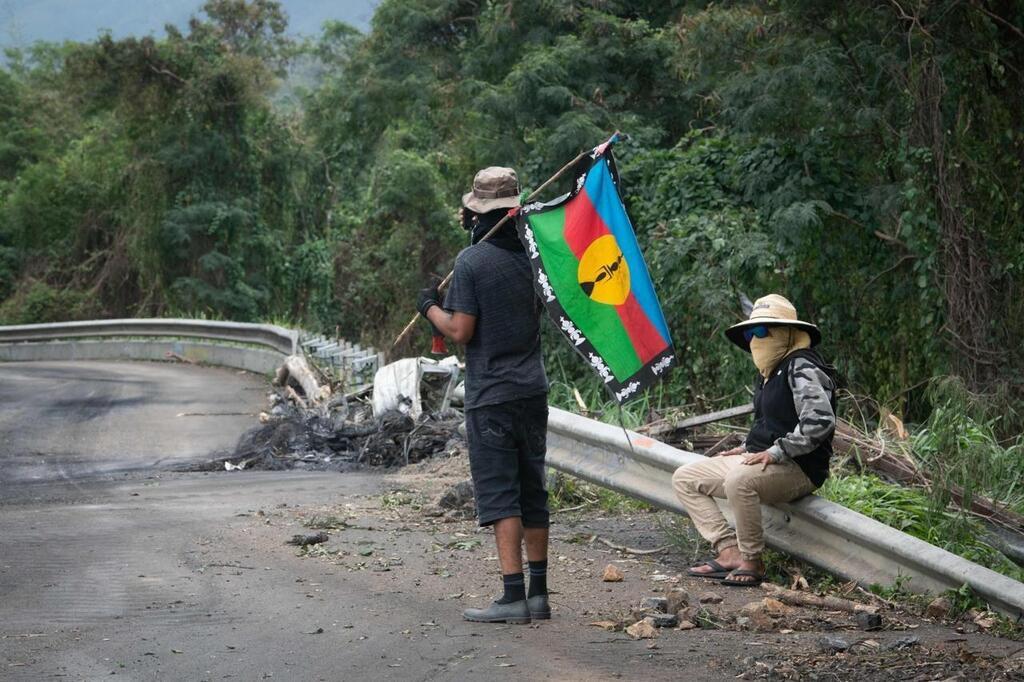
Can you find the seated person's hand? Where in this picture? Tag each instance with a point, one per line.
(738, 450)
(762, 458)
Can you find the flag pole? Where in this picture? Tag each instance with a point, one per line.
(490, 233)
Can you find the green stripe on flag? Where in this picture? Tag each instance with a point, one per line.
(600, 323)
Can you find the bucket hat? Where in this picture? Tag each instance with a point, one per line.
(772, 310)
(493, 187)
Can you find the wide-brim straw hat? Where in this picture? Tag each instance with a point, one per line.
(494, 187)
(772, 310)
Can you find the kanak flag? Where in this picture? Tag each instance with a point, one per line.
(592, 278)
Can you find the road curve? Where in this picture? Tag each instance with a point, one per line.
(72, 420)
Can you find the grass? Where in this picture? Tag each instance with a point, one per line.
(569, 492)
(326, 522)
(914, 512)
(961, 445)
(401, 498)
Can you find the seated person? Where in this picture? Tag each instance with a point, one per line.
(784, 456)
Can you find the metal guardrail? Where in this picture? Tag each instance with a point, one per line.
(820, 532)
(282, 340)
(825, 534)
(93, 340)
(347, 360)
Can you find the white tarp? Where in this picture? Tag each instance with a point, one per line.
(396, 386)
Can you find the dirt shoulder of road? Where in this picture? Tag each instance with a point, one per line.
(403, 533)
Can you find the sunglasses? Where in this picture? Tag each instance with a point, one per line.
(760, 331)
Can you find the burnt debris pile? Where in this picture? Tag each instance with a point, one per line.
(340, 437)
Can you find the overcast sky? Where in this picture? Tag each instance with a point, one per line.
(23, 22)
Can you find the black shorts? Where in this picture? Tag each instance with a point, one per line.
(507, 443)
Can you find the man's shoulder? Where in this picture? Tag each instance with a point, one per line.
(483, 255)
(469, 256)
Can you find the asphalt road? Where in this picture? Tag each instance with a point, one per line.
(69, 420)
(112, 566)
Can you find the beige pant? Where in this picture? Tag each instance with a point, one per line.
(746, 487)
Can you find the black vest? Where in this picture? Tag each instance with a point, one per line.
(775, 415)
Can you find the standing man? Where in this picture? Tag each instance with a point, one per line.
(784, 456)
(491, 308)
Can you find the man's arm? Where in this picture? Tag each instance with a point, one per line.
(811, 389)
(457, 326)
(456, 319)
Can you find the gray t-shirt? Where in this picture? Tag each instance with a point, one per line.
(503, 359)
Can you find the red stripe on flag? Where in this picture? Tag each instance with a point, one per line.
(645, 337)
(583, 224)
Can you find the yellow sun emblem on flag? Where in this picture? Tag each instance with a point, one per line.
(602, 273)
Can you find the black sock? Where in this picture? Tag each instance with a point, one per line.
(538, 577)
(515, 588)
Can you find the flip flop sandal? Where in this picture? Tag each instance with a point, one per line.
(717, 573)
(758, 578)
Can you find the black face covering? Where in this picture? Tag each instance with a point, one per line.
(506, 238)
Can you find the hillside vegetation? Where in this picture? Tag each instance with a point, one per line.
(863, 158)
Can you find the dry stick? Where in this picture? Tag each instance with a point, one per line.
(794, 598)
(571, 509)
(491, 233)
(629, 550)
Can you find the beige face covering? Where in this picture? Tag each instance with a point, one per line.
(780, 342)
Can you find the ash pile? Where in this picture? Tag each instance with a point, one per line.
(404, 417)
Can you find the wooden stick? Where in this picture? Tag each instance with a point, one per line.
(494, 230)
(628, 550)
(663, 426)
(794, 598)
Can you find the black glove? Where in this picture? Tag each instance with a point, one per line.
(428, 298)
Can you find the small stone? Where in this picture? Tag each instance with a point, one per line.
(775, 608)
(642, 630)
(675, 600)
(752, 607)
(832, 645)
(659, 604)
(665, 620)
(612, 574)
(985, 620)
(904, 643)
(305, 540)
(264, 417)
(709, 598)
(868, 621)
(939, 609)
(457, 496)
(755, 617)
(686, 625)
(638, 613)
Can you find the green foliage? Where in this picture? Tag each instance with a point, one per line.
(864, 164)
(913, 512)
(37, 301)
(569, 492)
(166, 183)
(960, 448)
